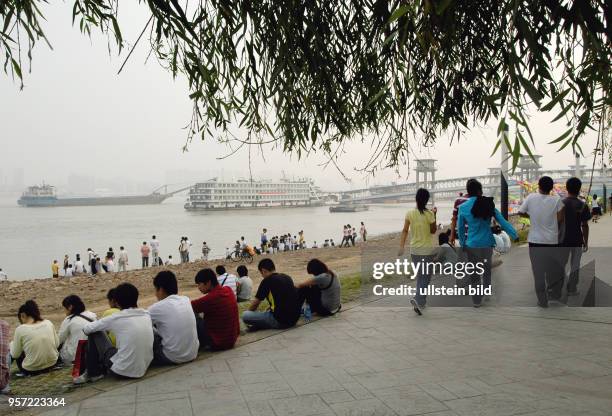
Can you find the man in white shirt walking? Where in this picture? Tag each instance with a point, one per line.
(134, 339)
(545, 212)
(174, 324)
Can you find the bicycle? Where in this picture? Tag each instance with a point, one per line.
(239, 256)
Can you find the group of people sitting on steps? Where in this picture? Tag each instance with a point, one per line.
(127, 339)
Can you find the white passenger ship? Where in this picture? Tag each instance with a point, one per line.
(247, 194)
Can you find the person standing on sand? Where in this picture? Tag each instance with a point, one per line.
(54, 269)
(66, 262)
(421, 223)
(145, 250)
(205, 251)
(264, 240)
(3, 275)
(363, 232)
(122, 260)
(188, 244)
(183, 249)
(154, 244)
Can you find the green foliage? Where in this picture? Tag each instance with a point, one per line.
(313, 74)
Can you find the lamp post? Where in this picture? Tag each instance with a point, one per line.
(504, 173)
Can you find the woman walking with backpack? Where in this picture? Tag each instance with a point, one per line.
(477, 213)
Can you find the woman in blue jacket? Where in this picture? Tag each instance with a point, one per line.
(476, 214)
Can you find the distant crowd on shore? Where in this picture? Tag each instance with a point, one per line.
(150, 252)
(127, 339)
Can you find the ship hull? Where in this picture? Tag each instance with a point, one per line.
(348, 208)
(96, 201)
(244, 208)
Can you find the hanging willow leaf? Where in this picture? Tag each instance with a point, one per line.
(312, 75)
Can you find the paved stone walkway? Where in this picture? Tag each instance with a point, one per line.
(386, 361)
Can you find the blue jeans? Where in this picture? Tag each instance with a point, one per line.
(422, 277)
(261, 320)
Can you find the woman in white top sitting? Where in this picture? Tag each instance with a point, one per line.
(34, 345)
(71, 329)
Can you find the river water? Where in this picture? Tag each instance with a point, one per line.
(31, 238)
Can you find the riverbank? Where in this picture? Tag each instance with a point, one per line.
(48, 293)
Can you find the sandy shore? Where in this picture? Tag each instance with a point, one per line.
(48, 293)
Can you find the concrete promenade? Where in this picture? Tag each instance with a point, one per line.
(380, 359)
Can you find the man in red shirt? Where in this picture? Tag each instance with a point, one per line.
(220, 327)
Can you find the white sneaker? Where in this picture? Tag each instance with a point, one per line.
(96, 378)
(82, 379)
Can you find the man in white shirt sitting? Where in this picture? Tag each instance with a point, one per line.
(174, 324)
(79, 267)
(69, 271)
(134, 339)
(226, 279)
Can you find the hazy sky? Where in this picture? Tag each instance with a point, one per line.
(76, 116)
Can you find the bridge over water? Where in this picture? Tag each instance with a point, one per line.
(528, 170)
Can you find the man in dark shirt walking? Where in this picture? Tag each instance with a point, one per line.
(278, 289)
(575, 235)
